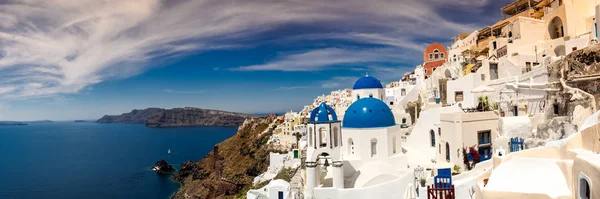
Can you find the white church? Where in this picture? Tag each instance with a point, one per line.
(346, 159)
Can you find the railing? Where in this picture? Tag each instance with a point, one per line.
(440, 193)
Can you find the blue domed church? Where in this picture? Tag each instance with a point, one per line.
(366, 150)
(367, 87)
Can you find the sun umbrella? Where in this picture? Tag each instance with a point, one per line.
(483, 89)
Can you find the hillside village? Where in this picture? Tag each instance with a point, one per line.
(506, 111)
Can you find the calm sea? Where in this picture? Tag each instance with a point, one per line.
(89, 160)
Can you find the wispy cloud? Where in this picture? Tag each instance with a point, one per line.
(339, 82)
(53, 47)
(319, 59)
(183, 91)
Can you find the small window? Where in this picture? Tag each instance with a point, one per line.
(447, 152)
(371, 95)
(403, 120)
(432, 137)
(458, 96)
(482, 77)
(440, 131)
(394, 145)
(430, 56)
(310, 137)
(574, 48)
(357, 97)
(494, 45)
(442, 55)
(584, 187)
(373, 147)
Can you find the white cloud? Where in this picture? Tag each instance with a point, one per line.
(53, 47)
(339, 82)
(315, 60)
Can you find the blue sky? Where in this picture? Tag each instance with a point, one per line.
(64, 60)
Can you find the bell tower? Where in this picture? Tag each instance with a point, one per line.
(324, 148)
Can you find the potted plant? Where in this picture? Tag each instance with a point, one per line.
(423, 181)
(456, 169)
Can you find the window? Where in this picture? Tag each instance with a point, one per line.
(394, 145)
(442, 55)
(509, 34)
(527, 66)
(447, 152)
(371, 95)
(403, 92)
(436, 54)
(485, 150)
(403, 120)
(322, 137)
(280, 194)
(584, 187)
(430, 56)
(432, 135)
(574, 48)
(440, 131)
(373, 147)
(440, 148)
(484, 137)
(351, 146)
(310, 137)
(335, 137)
(494, 45)
(357, 97)
(482, 77)
(458, 96)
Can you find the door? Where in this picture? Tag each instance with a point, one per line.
(493, 71)
(296, 154)
(280, 195)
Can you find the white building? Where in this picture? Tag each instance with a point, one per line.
(360, 159)
(276, 189)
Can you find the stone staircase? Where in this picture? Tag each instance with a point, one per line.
(297, 184)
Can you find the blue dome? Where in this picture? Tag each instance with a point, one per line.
(367, 82)
(368, 113)
(321, 114)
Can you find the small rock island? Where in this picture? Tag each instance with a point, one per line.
(162, 167)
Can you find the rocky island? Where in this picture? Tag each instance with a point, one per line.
(178, 117)
(11, 123)
(231, 166)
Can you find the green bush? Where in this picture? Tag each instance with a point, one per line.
(286, 174)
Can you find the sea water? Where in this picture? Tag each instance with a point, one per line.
(90, 160)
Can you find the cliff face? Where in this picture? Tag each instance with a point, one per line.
(177, 117)
(566, 107)
(231, 166)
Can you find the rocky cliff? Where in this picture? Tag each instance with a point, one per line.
(573, 95)
(231, 166)
(177, 117)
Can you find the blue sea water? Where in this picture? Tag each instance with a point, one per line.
(89, 160)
